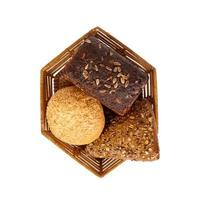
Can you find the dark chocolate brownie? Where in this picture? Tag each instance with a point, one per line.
(106, 75)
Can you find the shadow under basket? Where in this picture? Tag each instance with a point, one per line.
(53, 79)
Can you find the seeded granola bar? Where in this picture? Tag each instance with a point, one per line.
(106, 75)
(131, 137)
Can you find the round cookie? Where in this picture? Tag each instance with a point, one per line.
(74, 117)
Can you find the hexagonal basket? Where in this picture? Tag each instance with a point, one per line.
(53, 79)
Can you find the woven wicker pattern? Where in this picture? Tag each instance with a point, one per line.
(52, 79)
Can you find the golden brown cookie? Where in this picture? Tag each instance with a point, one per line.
(74, 117)
(133, 136)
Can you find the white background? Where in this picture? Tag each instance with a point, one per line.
(165, 33)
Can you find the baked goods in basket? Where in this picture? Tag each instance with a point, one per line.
(106, 75)
(102, 67)
(131, 137)
(74, 117)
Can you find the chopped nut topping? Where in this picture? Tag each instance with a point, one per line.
(111, 53)
(100, 45)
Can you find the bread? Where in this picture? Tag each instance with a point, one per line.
(131, 137)
(106, 75)
(74, 117)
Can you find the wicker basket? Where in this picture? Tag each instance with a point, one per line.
(53, 79)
